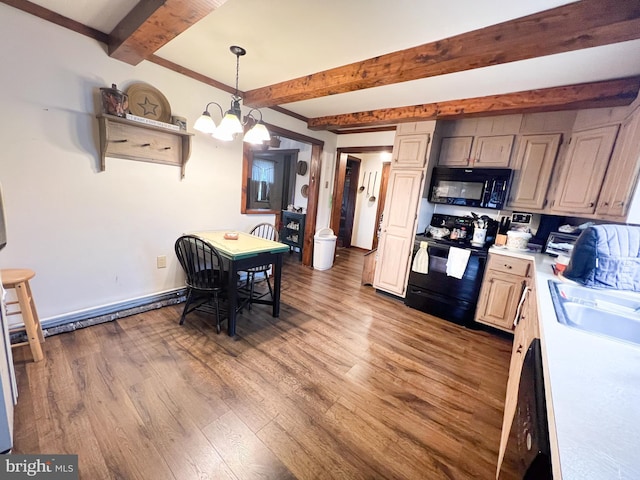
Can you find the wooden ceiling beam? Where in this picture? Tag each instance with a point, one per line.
(153, 23)
(584, 24)
(610, 93)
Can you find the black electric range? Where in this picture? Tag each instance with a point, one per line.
(438, 293)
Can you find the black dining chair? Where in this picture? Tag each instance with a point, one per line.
(206, 277)
(268, 231)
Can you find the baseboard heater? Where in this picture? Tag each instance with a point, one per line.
(108, 313)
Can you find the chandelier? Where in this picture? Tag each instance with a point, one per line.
(231, 124)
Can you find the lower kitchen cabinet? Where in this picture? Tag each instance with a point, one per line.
(526, 330)
(504, 281)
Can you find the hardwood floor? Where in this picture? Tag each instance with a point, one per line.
(347, 383)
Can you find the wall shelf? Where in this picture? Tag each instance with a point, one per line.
(122, 138)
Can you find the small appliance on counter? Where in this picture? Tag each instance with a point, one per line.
(560, 243)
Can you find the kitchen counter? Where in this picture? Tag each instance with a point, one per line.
(592, 388)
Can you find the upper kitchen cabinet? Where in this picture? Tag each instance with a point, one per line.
(410, 150)
(621, 177)
(492, 151)
(532, 167)
(489, 152)
(478, 142)
(455, 151)
(583, 170)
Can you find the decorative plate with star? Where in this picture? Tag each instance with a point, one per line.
(148, 102)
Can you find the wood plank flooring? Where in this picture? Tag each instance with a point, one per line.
(347, 383)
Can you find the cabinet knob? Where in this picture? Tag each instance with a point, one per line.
(519, 350)
(619, 204)
(508, 266)
(591, 204)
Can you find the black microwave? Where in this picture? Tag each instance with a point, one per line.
(470, 187)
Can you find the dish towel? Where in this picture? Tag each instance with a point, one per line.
(421, 260)
(457, 261)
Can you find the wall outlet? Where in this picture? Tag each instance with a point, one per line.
(161, 261)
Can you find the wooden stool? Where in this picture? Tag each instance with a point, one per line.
(18, 279)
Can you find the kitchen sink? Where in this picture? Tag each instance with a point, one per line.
(605, 312)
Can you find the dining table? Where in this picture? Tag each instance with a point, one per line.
(243, 251)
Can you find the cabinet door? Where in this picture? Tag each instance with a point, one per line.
(410, 151)
(398, 230)
(622, 174)
(455, 151)
(499, 298)
(493, 151)
(583, 172)
(535, 157)
(525, 331)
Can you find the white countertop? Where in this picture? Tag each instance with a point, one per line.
(592, 387)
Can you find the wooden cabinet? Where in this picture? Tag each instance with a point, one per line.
(292, 232)
(532, 167)
(583, 170)
(488, 151)
(455, 151)
(621, 177)
(492, 152)
(526, 330)
(410, 151)
(504, 281)
(399, 219)
(122, 138)
(398, 230)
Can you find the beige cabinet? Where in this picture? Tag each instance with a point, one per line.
(399, 219)
(621, 177)
(493, 151)
(583, 170)
(532, 167)
(526, 330)
(455, 151)
(504, 281)
(410, 151)
(398, 230)
(488, 151)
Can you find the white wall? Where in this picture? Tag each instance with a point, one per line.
(93, 237)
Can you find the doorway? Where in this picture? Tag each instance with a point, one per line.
(348, 205)
(369, 184)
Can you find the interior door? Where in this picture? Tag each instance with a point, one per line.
(347, 209)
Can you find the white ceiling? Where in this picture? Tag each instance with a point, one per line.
(287, 39)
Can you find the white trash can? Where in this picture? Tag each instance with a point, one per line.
(324, 247)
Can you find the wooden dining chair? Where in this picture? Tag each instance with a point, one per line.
(268, 231)
(206, 277)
